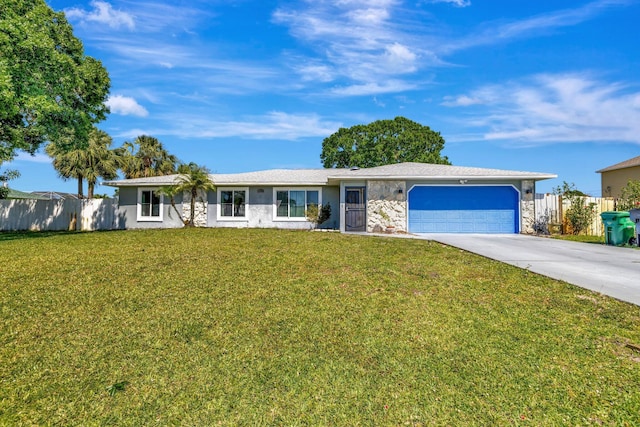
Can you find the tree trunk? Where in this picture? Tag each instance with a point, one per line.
(80, 195)
(194, 194)
(90, 187)
(175, 208)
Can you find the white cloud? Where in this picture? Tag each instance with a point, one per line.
(460, 101)
(392, 86)
(143, 51)
(278, 125)
(400, 59)
(457, 3)
(36, 158)
(102, 13)
(362, 43)
(556, 108)
(315, 72)
(378, 102)
(273, 125)
(126, 106)
(169, 18)
(369, 16)
(497, 32)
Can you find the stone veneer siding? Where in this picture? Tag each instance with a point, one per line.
(386, 206)
(527, 207)
(200, 219)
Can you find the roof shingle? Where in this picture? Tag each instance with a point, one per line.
(323, 176)
(622, 165)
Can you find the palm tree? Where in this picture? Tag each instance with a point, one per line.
(95, 160)
(192, 179)
(145, 157)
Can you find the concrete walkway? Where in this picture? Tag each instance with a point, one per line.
(610, 270)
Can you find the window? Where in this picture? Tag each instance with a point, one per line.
(293, 204)
(232, 203)
(150, 204)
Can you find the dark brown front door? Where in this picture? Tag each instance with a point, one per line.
(355, 214)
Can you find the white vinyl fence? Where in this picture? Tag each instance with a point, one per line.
(551, 209)
(57, 215)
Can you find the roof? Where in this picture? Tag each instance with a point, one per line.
(147, 181)
(16, 194)
(415, 171)
(278, 177)
(437, 172)
(55, 195)
(622, 165)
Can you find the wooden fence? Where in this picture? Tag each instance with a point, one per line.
(551, 214)
(57, 215)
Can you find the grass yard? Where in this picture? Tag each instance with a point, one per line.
(599, 240)
(268, 327)
(579, 238)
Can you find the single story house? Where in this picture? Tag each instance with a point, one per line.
(615, 177)
(404, 197)
(21, 195)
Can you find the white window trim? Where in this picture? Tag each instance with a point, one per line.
(219, 191)
(139, 216)
(277, 218)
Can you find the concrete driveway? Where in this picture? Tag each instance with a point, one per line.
(609, 270)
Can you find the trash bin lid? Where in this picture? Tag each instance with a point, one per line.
(613, 215)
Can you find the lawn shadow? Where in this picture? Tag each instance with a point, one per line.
(21, 235)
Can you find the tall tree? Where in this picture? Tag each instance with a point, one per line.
(91, 162)
(49, 89)
(145, 157)
(192, 179)
(382, 142)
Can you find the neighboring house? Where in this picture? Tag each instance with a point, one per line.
(615, 177)
(56, 195)
(15, 194)
(405, 197)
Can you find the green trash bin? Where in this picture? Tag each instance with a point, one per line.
(618, 228)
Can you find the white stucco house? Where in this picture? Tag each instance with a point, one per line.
(404, 197)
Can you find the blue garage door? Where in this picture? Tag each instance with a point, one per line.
(464, 209)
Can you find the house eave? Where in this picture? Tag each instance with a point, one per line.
(443, 177)
(335, 180)
(269, 184)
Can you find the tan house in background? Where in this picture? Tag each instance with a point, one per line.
(615, 177)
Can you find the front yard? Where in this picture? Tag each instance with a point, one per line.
(268, 327)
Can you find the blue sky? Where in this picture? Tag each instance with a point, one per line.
(240, 85)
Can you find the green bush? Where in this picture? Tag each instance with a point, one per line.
(579, 215)
(318, 215)
(4, 177)
(629, 196)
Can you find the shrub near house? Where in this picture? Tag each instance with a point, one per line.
(580, 214)
(629, 196)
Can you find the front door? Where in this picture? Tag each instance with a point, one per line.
(355, 213)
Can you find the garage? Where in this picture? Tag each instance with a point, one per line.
(464, 209)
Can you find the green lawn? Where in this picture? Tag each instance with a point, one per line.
(599, 240)
(268, 327)
(579, 238)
